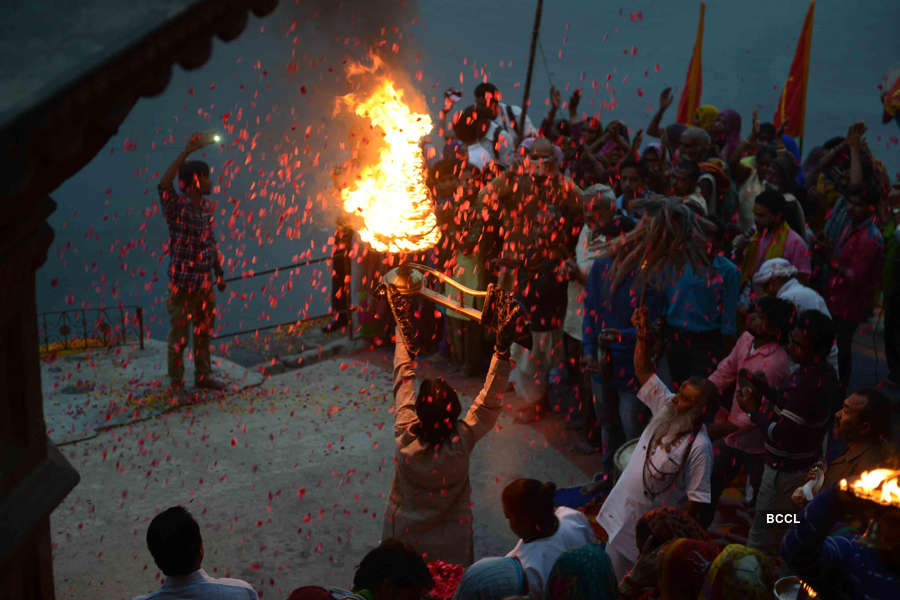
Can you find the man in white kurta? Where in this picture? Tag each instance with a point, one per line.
(688, 460)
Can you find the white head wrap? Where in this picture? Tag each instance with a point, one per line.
(600, 189)
(774, 267)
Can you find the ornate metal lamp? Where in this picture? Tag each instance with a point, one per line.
(409, 279)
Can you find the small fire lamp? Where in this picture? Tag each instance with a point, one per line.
(881, 486)
(878, 491)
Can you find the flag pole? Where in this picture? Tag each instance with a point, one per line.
(693, 84)
(520, 125)
(790, 113)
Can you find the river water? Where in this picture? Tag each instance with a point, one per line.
(276, 86)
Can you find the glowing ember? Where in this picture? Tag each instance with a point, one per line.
(880, 485)
(391, 196)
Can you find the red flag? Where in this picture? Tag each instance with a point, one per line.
(693, 85)
(792, 104)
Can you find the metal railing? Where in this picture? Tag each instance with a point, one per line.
(84, 328)
(278, 270)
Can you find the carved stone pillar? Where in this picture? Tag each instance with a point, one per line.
(34, 476)
(41, 145)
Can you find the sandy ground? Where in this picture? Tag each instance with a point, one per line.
(287, 479)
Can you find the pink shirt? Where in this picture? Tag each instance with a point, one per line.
(769, 358)
(796, 251)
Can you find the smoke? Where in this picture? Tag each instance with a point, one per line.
(325, 39)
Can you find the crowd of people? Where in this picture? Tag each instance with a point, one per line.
(695, 297)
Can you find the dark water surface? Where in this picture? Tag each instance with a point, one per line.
(278, 85)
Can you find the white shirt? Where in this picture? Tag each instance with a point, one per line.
(200, 586)
(804, 298)
(502, 121)
(587, 250)
(539, 556)
(627, 502)
(501, 129)
(479, 155)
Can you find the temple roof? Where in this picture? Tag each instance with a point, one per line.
(71, 72)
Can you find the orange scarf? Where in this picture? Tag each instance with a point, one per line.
(774, 249)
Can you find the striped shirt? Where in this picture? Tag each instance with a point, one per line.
(799, 416)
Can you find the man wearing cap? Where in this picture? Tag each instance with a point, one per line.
(777, 277)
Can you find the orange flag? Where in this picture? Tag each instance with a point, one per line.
(693, 85)
(792, 105)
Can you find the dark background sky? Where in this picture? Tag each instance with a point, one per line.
(277, 80)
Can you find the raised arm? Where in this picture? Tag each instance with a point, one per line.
(665, 101)
(547, 124)
(488, 404)
(404, 386)
(404, 359)
(740, 172)
(197, 141)
(854, 141)
(445, 117)
(508, 318)
(643, 366)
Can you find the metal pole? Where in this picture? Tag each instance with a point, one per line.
(140, 319)
(520, 126)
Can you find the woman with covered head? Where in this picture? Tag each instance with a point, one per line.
(492, 578)
(705, 116)
(726, 132)
(545, 532)
(430, 502)
(656, 533)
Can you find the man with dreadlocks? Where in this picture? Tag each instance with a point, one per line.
(672, 462)
(673, 459)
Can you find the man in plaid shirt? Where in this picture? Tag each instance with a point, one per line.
(193, 254)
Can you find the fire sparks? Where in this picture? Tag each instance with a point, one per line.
(880, 485)
(391, 196)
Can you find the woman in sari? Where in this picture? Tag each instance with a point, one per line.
(739, 572)
(653, 532)
(726, 133)
(584, 573)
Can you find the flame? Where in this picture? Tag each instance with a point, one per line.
(391, 196)
(810, 593)
(880, 485)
